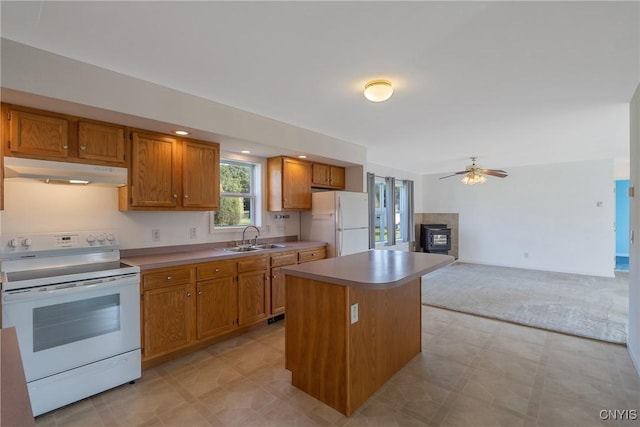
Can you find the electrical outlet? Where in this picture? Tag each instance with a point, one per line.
(354, 313)
(155, 235)
(193, 233)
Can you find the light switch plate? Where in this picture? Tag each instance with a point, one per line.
(354, 313)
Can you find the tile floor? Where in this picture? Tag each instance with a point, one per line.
(472, 371)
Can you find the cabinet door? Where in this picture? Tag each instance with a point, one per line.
(201, 175)
(38, 135)
(153, 171)
(337, 179)
(277, 291)
(101, 142)
(253, 297)
(166, 319)
(296, 184)
(321, 174)
(217, 306)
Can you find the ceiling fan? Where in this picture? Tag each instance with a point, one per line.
(474, 174)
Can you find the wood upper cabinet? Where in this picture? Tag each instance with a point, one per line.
(38, 135)
(153, 171)
(201, 175)
(166, 173)
(288, 184)
(328, 176)
(53, 136)
(102, 142)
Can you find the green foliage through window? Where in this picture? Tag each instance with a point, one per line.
(237, 196)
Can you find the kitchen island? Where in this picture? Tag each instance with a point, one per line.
(352, 322)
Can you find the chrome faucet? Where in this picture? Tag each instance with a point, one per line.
(255, 240)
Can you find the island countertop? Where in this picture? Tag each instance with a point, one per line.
(374, 269)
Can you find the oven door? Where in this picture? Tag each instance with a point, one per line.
(74, 325)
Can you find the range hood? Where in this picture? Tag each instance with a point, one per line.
(64, 172)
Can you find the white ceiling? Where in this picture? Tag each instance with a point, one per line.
(515, 83)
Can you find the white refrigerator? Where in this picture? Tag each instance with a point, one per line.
(340, 218)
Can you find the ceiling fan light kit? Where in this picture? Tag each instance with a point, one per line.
(378, 90)
(474, 174)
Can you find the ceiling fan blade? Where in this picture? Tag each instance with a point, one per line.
(495, 170)
(499, 174)
(454, 174)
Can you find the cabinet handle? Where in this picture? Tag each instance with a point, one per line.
(313, 254)
(169, 277)
(186, 196)
(273, 277)
(188, 294)
(64, 146)
(83, 147)
(217, 270)
(199, 292)
(175, 196)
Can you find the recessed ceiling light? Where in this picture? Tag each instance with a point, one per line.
(181, 132)
(378, 90)
(302, 156)
(245, 151)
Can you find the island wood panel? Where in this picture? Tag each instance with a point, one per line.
(316, 340)
(340, 363)
(386, 337)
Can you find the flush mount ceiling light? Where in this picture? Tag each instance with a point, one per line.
(378, 90)
(245, 151)
(181, 132)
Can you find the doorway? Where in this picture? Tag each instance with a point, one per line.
(622, 225)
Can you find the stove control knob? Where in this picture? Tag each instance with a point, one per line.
(91, 239)
(100, 238)
(26, 242)
(111, 237)
(13, 243)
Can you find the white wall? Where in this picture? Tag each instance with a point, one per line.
(35, 207)
(633, 339)
(540, 217)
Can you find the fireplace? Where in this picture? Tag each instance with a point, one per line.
(435, 238)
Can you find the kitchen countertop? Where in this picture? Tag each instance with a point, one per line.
(172, 259)
(374, 269)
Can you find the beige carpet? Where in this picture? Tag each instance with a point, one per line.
(586, 306)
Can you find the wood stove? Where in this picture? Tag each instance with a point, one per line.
(435, 238)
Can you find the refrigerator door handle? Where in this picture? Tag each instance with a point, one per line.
(339, 228)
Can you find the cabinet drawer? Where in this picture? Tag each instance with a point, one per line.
(253, 263)
(288, 258)
(165, 277)
(216, 269)
(312, 254)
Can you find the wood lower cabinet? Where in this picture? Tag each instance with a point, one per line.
(217, 306)
(217, 299)
(288, 184)
(253, 289)
(167, 307)
(277, 279)
(312, 254)
(38, 135)
(187, 307)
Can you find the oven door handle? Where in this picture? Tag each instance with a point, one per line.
(75, 288)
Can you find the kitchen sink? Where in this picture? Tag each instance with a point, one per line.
(255, 247)
(269, 246)
(243, 249)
